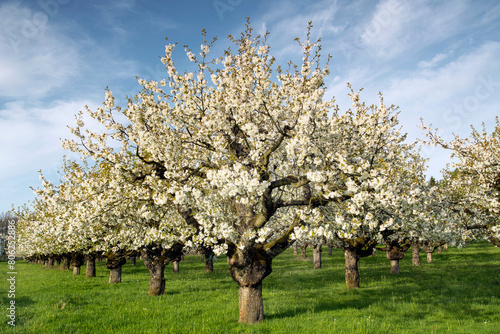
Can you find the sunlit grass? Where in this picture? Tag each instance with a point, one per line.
(458, 293)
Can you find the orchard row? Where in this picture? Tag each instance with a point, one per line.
(243, 157)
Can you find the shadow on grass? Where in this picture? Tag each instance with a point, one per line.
(443, 287)
(19, 301)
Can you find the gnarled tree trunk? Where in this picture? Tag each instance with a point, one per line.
(353, 251)
(249, 269)
(155, 259)
(155, 262)
(395, 251)
(76, 262)
(90, 270)
(114, 263)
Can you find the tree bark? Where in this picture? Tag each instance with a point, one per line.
(415, 254)
(351, 269)
(209, 264)
(429, 250)
(249, 269)
(133, 260)
(76, 271)
(303, 252)
(156, 266)
(395, 251)
(155, 259)
(395, 267)
(317, 256)
(90, 271)
(65, 262)
(175, 266)
(295, 249)
(251, 304)
(76, 262)
(115, 274)
(114, 263)
(330, 250)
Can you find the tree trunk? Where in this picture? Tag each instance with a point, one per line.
(440, 250)
(317, 256)
(76, 270)
(64, 263)
(114, 263)
(351, 269)
(395, 266)
(429, 250)
(175, 266)
(51, 262)
(156, 266)
(303, 252)
(132, 260)
(415, 254)
(209, 264)
(155, 259)
(76, 262)
(295, 250)
(115, 274)
(208, 254)
(445, 246)
(249, 268)
(394, 253)
(330, 250)
(90, 272)
(251, 304)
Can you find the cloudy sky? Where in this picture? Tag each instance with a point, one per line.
(439, 60)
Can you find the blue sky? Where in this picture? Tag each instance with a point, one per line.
(439, 60)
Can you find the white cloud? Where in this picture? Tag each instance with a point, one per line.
(287, 20)
(453, 96)
(433, 62)
(31, 135)
(399, 26)
(453, 81)
(34, 56)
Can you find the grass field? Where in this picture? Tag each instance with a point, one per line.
(458, 293)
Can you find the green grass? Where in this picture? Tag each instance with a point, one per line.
(458, 293)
